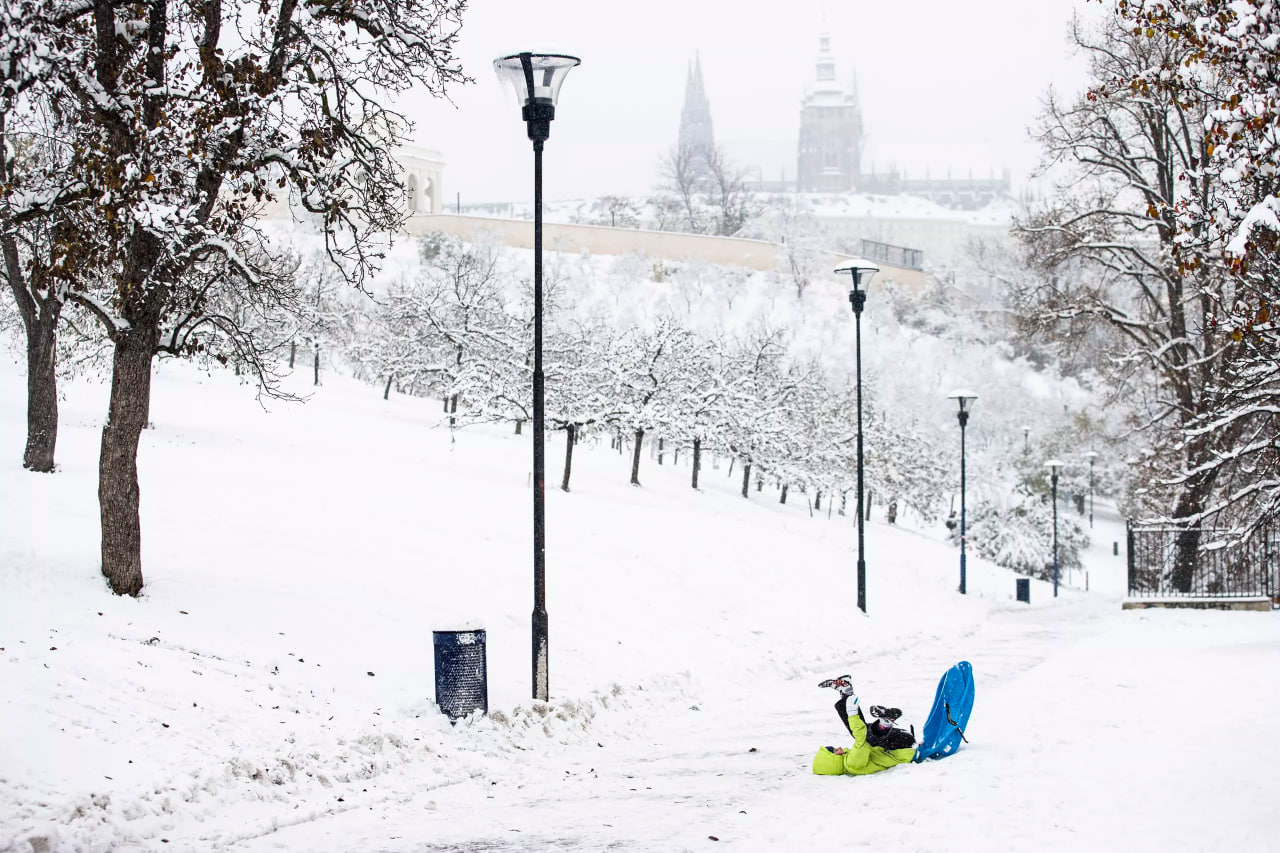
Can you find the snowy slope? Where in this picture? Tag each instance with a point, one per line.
(278, 668)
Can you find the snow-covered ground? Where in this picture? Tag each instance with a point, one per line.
(272, 688)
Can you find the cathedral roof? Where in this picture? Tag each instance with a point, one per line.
(825, 90)
(695, 117)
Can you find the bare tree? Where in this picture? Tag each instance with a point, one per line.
(1129, 155)
(42, 209)
(187, 117)
(682, 176)
(726, 193)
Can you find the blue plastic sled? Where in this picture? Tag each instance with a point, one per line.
(952, 705)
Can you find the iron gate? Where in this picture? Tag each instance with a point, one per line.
(1167, 561)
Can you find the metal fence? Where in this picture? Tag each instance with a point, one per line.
(1202, 563)
(899, 256)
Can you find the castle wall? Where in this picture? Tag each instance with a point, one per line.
(668, 245)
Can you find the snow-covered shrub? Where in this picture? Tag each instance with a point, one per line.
(1017, 533)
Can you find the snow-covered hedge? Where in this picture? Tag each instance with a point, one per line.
(1017, 533)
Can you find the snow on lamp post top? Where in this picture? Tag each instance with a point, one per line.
(536, 79)
(1091, 455)
(535, 76)
(964, 397)
(860, 268)
(1054, 465)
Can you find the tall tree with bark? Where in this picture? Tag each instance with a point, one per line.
(1233, 66)
(1131, 155)
(186, 117)
(42, 210)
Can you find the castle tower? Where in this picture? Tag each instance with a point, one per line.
(695, 118)
(830, 130)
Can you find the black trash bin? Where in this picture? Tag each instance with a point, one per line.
(1024, 589)
(462, 678)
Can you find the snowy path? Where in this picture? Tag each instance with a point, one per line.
(1072, 719)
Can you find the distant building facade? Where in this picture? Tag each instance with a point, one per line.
(957, 193)
(423, 179)
(829, 153)
(423, 184)
(830, 150)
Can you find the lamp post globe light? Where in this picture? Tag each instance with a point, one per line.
(1091, 455)
(965, 398)
(536, 79)
(861, 271)
(1055, 467)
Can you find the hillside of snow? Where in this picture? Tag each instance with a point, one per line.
(277, 669)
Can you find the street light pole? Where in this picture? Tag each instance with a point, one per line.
(965, 399)
(861, 271)
(1055, 466)
(536, 78)
(1092, 455)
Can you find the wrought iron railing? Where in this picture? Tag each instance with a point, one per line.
(1202, 563)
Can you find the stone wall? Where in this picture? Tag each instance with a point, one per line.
(668, 245)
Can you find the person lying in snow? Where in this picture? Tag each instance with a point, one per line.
(876, 747)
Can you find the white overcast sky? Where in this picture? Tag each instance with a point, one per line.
(942, 83)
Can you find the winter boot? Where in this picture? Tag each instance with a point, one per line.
(842, 683)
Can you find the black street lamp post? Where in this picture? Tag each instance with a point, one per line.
(1054, 467)
(536, 78)
(965, 398)
(1091, 456)
(861, 271)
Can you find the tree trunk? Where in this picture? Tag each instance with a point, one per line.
(732, 459)
(697, 460)
(869, 494)
(42, 394)
(519, 427)
(817, 501)
(386, 392)
(746, 479)
(293, 352)
(118, 492)
(570, 438)
(453, 410)
(661, 443)
(844, 499)
(317, 366)
(759, 483)
(783, 499)
(1186, 555)
(635, 459)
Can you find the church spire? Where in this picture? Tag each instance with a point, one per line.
(695, 118)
